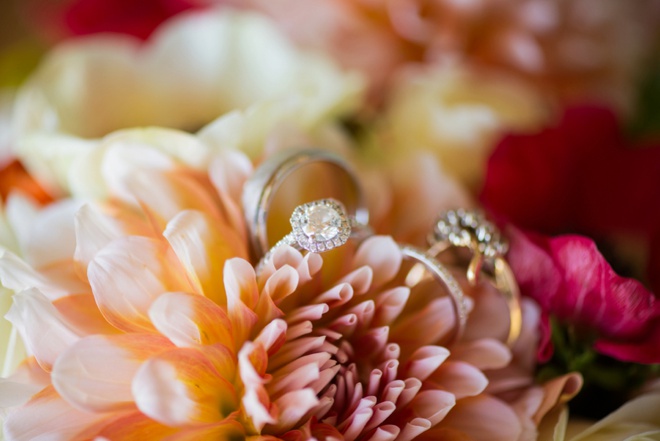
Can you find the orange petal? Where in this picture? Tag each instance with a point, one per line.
(128, 275)
(182, 387)
(189, 320)
(203, 245)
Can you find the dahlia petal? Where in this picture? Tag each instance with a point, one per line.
(43, 329)
(83, 376)
(383, 255)
(281, 283)
(20, 212)
(42, 248)
(135, 426)
(433, 405)
(94, 230)
(48, 416)
(229, 171)
(300, 378)
(240, 283)
(16, 393)
(557, 391)
(128, 275)
(336, 296)
(497, 421)
(189, 320)
(424, 361)
(360, 279)
(203, 244)
(426, 326)
(256, 405)
(381, 412)
(167, 389)
(82, 313)
(17, 275)
(413, 429)
(292, 351)
(385, 433)
(411, 386)
(390, 304)
(273, 336)
(356, 423)
(293, 407)
(485, 353)
(459, 378)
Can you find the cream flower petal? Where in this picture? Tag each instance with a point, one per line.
(41, 326)
(189, 320)
(128, 275)
(94, 230)
(39, 246)
(48, 416)
(12, 348)
(167, 388)
(17, 275)
(84, 376)
(293, 406)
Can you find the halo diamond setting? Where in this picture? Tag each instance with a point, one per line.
(320, 225)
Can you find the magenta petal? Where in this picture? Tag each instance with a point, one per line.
(572, 281)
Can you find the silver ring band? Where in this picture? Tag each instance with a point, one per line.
(259, 190)
(426, 262)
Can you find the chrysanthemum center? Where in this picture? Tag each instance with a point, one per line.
(322, 223)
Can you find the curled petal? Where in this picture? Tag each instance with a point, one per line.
(425, 360)
(459, 378)
(168, 389)
(44, 330)
(485, 353)
(383, 255)
(95, 374)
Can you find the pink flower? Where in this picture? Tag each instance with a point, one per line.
(163, 330)
(571, 280)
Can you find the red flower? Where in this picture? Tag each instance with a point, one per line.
(571, 280)
(80, 17)
(582, 176)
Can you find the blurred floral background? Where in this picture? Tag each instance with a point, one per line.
(131, 307)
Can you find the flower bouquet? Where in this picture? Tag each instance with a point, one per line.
(330, 220)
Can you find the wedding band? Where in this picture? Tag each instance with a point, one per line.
(426, 263)
(260, 189)
(317, 227)
(470, 230)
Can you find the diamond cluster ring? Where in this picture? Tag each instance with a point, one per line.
(470, 230)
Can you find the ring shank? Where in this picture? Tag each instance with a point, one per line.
(260, 189)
